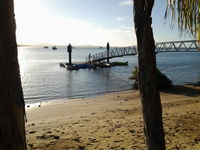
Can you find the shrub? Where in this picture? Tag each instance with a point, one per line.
(164, 82)
(134, 76)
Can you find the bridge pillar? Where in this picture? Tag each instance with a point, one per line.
(108, 51)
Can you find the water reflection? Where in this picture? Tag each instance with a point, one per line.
(69, 85)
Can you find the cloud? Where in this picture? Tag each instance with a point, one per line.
(121, 19)
(126, 3)
(43, 26)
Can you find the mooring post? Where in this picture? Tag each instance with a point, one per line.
(108, 51)
(69, 50)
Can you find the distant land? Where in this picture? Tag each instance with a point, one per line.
(50, 45)
(61, 46)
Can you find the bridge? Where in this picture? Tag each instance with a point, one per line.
(173, 46)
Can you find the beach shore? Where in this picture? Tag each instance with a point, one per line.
(113, 121)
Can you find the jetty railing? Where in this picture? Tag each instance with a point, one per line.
(177, 46)
(117, 52)
(172, 46)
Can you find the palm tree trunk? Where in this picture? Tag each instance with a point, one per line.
(12, 109)
(148, 85)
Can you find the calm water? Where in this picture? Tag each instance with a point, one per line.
(43, 78)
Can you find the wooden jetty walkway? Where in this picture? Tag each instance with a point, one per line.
(172, 46)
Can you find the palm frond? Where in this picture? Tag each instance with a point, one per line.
(187, 13)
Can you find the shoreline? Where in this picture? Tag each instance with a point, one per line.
(35, 104)
(113, 121)
(72, 98)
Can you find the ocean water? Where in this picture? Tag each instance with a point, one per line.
(43, 79)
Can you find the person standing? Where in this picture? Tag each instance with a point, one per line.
(89, 57)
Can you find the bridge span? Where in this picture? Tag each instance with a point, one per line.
(172, 46)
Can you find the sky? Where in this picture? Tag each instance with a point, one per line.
(86, 22)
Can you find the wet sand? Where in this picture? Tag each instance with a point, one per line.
(113, 121)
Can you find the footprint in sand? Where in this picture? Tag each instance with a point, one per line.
(132, 131)
(87, 120)
(55, 137)
(75, 123)
(93, 140)
(80, 147)
(76, 139)
(30, 145)
(117, 141)
(107, 136)
(48, 137)
(32, 132)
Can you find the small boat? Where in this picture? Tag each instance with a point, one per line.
(54, 48)
(81, 66)
(119, 63)
(46, 47)
(72, 67)
(103, 65)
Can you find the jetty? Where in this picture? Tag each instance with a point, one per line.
(78, 66)
(172, 46)
(102, 60)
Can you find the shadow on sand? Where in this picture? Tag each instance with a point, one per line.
(187, 90)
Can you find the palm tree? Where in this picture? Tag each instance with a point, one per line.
(148, 84)
(188, 13)
(12, 109)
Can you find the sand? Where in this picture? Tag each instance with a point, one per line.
(113, 121)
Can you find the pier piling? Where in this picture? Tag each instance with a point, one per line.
(69, 50)
(108, 51)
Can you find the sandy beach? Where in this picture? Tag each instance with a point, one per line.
(113, 121)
